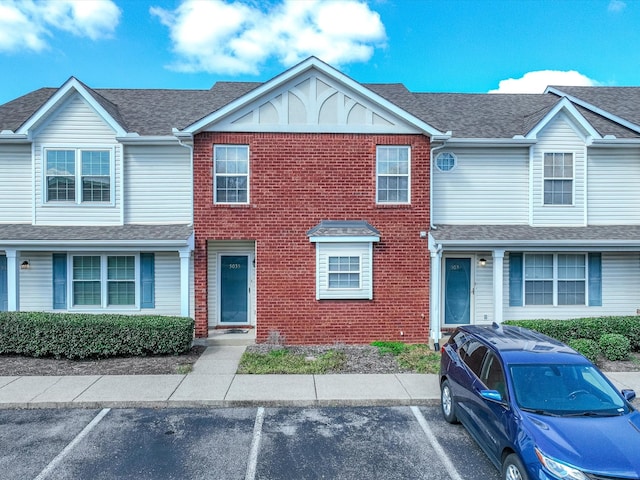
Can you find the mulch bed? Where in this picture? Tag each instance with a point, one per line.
(11, 365)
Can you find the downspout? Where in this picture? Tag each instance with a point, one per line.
(185, 254)
(435, 251)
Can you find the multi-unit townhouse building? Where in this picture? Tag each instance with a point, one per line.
(319, 209)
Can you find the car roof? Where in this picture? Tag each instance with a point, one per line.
(517, 344)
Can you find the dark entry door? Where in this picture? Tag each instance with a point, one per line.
(234, 289)
(457, 293)
(3, 284)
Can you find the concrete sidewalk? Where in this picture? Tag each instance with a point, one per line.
(213, 382)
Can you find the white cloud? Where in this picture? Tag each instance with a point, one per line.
(536, 82)
(27, 24)
(235, 38)
(616, 6)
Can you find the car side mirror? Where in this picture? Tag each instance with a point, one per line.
(629, 394)
(493, 395)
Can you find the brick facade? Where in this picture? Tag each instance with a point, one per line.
(297, 180)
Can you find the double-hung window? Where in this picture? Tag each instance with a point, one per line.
(103, 280)
(393, 169)
(231, 173)
(555, 279)
(78, 175)
(558, 178)
(344, 272)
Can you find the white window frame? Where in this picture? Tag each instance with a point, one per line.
(393, 175)
(555, 279)
(217, 175)
(452, 158)
(339, 272)
(341, 247)
(554, 178)
(78, 200)
(104, 281)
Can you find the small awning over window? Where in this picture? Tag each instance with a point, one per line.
(343, 231)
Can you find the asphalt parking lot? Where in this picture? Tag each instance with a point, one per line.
(237, 443)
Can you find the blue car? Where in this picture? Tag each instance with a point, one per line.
(537, 408)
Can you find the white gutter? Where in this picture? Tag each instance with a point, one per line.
(182, 137)
(8, 136)
(616, 142)
(147, 140)
(492, 142)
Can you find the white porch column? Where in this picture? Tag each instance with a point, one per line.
(13, 289)
(435, 294)
(498, 282)
(185, 257)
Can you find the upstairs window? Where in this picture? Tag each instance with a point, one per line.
(558, 178)
(231, 174)
(393, 174)
(78, 176)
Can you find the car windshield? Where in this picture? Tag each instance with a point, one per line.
(565, 390)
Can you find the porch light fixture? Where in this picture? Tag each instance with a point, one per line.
(25, 265)
(482, 262)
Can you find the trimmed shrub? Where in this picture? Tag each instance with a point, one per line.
(589, 328)
(76, 336)
(615, 346)
(587, 347)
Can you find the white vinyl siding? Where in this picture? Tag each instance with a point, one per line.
(559, 136)
(620, 287)
(614, 177)
(165, 196)
(326, 289)
(486, 187)
(36, 290)
(75, 125)
(16, 184)
(482, 303)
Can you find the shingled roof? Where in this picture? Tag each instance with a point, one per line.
(153, 112)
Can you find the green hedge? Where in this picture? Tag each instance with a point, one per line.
(75, 336)
(589, 328)
(615, 346)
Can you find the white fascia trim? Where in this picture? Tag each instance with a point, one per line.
(148, 140)
(7, 136)
(60, 96)
(616, 142)
(344, 239)
(491, 142)
(604, 113)
(305, 65)
(564, 104)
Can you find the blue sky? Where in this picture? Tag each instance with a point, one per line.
(429, 45)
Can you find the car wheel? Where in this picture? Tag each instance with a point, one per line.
(447, 403)
(513, 469)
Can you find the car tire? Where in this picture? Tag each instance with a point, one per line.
(513, 468)
(447, 403)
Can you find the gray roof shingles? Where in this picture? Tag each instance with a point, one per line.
(154, 112)
(488, 234)
(25, 232)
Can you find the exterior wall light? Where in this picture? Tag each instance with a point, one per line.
(25, 265)
(482, 262)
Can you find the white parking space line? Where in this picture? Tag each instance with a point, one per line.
(255, 446)
(448, 464)
(85, 431)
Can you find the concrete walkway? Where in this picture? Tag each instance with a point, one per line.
(213, 382)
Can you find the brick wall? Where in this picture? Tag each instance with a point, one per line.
(297, 180)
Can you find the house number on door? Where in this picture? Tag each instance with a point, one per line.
(234, 266)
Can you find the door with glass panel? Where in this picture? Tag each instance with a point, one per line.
(457, 294)
(234, 289)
